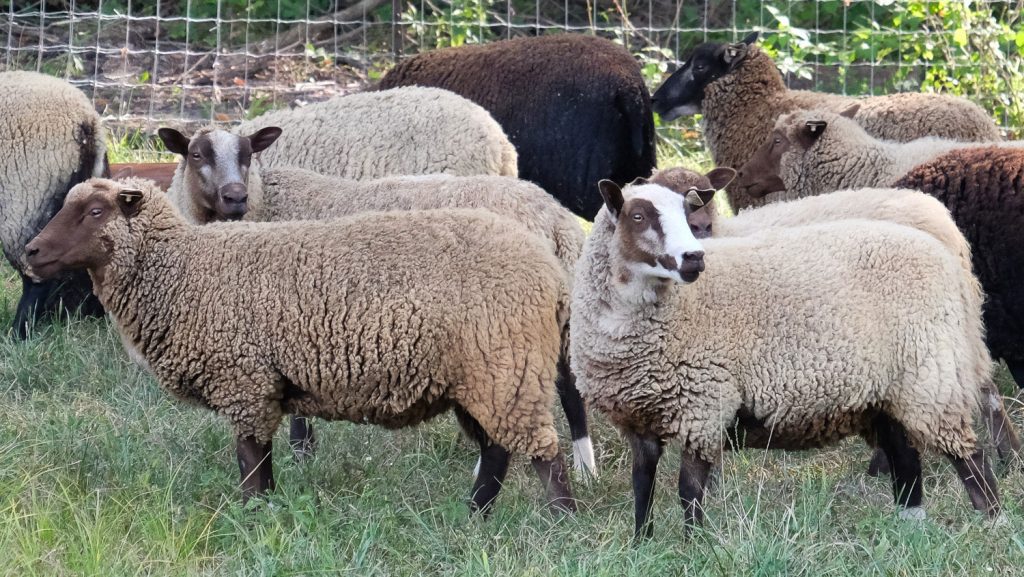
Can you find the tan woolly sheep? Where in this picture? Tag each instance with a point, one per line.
(833, 340)
(339, 319)
(50, 140)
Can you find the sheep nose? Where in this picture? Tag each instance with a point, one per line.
(31, 250)
(693, 262)
(234, 193)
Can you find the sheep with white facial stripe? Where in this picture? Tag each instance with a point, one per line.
(828, 315)
(219, 180)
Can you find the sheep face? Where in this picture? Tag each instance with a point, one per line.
(762, 174)
(78, 236)
(216, 167)
(682, 181)
(651, 232)
(683, 92)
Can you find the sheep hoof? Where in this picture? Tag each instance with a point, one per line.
(476, 468)
(913, 514)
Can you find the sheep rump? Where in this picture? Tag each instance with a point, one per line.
(984, 190)
(586, 89)
(52, 139)
(409, 130)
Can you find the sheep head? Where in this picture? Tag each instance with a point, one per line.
(216, 166)
(683, 92)
(651, 236)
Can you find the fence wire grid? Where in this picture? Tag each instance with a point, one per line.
(145, 63)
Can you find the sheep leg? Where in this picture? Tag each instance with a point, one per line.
(493, 465)
(879, 464)
(255, 465)
(1000, 428)
(904, 465)
(979, 481)
(301, 437)
(646, 454)
(1016, 371)
(555, 479)
(576, 415)
(693, 480)
(31, 305)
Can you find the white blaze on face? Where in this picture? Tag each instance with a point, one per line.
(676, 239)
(226, 168)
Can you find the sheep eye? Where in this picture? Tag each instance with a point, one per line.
(196, 156)
(96, 211)
(637, 217)
(777, 140)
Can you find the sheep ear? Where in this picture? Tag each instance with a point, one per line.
(612, 195)
(129, 200)
(721, 177)
(811, 132)
(697, 198)
(851, 111)
(126, 171)
(751, 38)
(734, 53)
(263, 138)
(175, 141)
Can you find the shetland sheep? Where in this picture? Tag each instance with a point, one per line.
(345, 320)
(51, 139)
(984, 189)
(901, 206)
(817, 152)
(740, 93)
(403, 131)
(575, 107)
(811, 152)
(834, 313)
(209, 183)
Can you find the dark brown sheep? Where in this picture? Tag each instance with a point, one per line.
(575, 107)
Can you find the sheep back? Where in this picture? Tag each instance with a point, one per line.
(409, 130)
(576, 107)
(837, 320)
(984, 190)
(296, 194)
(740, 109)
(385, 318)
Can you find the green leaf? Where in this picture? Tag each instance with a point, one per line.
(1019, 40)
(960, 37)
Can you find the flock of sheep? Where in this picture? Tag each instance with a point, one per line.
(415, 249)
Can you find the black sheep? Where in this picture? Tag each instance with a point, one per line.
(983, 188)
(575, 107)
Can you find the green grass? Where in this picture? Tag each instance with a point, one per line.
(102, 473)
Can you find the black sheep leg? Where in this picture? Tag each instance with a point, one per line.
(904, 462)
(31, 307)
(301, 437)
(494, 460)
(256, 467)
(879, 464)
(576, 415)
(979, 481)
(1016, 371)
(646, 454)
(693, 481)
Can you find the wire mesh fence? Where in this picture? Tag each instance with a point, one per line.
(146, 62)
